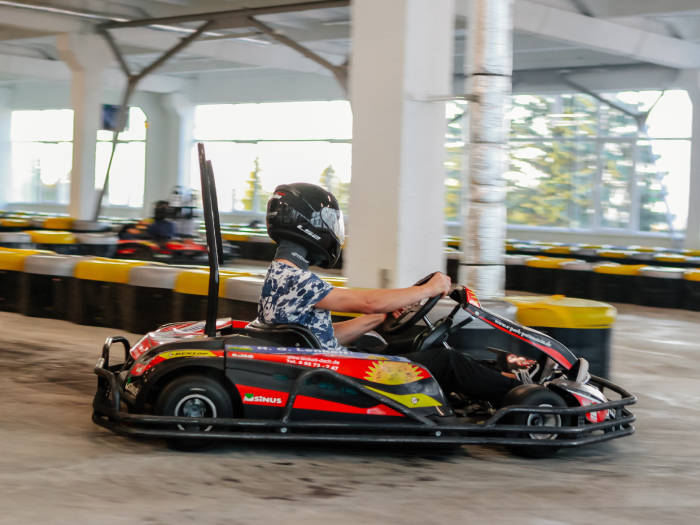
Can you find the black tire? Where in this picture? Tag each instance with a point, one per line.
(195, 396)
(538, 396)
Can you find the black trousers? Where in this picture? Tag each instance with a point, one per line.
(457, 372)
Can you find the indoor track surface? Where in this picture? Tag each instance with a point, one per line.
(56, 466)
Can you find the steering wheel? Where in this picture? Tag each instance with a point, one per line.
(410, 315)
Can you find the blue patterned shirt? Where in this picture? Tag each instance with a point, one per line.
(289, 295)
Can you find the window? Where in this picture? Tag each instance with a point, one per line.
(127, 177)
(42, 152)
(42, 158)
(579, 163)
(255, 147)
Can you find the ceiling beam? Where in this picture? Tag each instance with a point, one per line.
(41, 69)
(41, 22)
(235, 51)
(235, 15)
(615, 8)
(602, 35)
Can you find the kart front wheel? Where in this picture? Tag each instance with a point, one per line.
(195, 396)
(536, 396)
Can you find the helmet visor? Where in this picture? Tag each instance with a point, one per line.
(332, 220)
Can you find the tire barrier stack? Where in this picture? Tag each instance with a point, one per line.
(44, 285)
(16, 240)
(644, 284)
(139, 296)
(583, 326)
(11, 270)
(97, 244)
(58, 241)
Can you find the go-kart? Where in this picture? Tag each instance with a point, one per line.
(197, 382)
(180, 251)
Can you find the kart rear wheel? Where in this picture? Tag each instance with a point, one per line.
(193, 396)
(536, 396)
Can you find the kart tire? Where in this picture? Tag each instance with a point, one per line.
(539, 396)
(198, 396)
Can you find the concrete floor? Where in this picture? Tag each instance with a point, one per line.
(57, 467)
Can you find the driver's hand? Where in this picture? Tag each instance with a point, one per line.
(397, 313)
(439, 284)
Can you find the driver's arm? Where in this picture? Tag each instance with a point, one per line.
(377, 300)
(347, 331)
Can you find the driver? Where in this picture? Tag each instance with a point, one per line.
(306, 223)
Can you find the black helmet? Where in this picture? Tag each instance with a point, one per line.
(309, 215)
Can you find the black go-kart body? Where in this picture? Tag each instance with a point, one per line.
(272, 383)
(197, 382)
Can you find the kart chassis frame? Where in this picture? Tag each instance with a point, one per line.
(108, 413)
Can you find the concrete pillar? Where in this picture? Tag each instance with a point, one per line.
(402, 55)
(489, 66)
(691, 82)
(5, 146)
(86, 55)
(165, 146)
(181, 113)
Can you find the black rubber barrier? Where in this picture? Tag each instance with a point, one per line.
(9, 290)
(95, 303)
(661, 292)
(615, 288)
(574, 283)
(691, 295)
(44, 296)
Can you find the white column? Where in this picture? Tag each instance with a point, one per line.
(168, 145)
(5, 146)
(402, 55)
(86, 55)
(489, 64)
(181, 112)
(692, 234)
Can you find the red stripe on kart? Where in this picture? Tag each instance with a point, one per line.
(551, 352)
(312, 403)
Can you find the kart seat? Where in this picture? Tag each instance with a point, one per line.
(284, 334)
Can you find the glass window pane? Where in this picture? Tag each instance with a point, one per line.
(529, 115)
(617, 165)
(127, 176)
(270, 121)
(247, 174)
(40, 172)
(50, 125)
(578, 117)
(454, 158)
(550, 184)
(663, 178)
(672, 116)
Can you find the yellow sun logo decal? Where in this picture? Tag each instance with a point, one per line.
(393, 373)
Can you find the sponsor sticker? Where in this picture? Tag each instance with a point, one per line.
(187, 353)
(258, 399)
